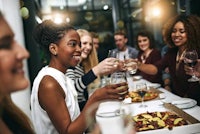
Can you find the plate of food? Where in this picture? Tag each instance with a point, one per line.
(157, 120)
(135, 97)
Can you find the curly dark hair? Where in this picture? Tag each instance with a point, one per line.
(149, 35)
(192, 28)
(49, 32)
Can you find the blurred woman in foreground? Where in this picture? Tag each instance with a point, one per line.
(12, 78)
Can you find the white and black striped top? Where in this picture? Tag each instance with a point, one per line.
(81, 80)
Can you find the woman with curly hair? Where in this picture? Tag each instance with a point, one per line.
(182, 32)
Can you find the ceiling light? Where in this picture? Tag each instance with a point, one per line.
(105, 7)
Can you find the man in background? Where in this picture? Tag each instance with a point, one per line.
(95, 38)
(122, 49)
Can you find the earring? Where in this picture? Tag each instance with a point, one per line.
(55, 54)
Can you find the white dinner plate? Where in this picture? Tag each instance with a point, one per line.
(154, 85)
(185, 103)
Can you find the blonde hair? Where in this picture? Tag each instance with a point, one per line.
(92, 60)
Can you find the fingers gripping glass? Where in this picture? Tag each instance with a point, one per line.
(190, 59)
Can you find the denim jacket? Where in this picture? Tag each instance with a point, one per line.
(131, 51)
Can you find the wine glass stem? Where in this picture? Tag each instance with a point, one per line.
(193, 74)
(142, 101)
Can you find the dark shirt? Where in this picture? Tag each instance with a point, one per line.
(153, 57)
(180, 84)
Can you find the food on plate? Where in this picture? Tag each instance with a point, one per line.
(135, 97)
(157, 120)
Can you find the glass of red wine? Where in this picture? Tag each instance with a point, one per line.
(142, 90)
(190, 59)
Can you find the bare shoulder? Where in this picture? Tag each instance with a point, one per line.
(50, 91)
(48, 83)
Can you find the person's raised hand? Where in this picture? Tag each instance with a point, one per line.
(105, 67)
(195, 70)
(111, 92)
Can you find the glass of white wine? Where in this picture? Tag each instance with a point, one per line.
(131, 66)
(118, 77)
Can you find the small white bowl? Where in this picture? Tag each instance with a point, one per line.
(154, 85)
(137, 77)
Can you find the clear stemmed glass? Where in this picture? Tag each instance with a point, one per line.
(112, 53)
(117, 77)
(130, 66)
(190, 59)
(142, 90)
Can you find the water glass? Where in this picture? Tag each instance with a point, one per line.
(113, 117)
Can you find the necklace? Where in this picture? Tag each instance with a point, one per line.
(179, 58)
(145, 56)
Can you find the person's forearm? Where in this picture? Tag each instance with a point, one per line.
(148, 68)
(167, 84)
(89, 77)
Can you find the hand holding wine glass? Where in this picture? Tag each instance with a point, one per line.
(118, 77)
(114, 54)
(190, 59)
(191, 71)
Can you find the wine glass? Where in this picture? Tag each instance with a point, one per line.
(190, 59)
(112, 53)
(142, 90)
(131, 66)
(118, 77)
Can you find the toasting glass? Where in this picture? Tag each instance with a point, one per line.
(131, 66)
(190, 59)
